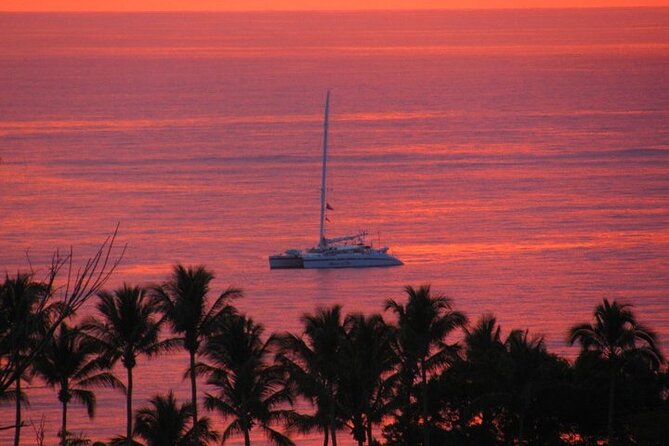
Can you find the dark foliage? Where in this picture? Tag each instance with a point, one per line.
(362, 375)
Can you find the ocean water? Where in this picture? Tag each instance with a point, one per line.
(518, 161)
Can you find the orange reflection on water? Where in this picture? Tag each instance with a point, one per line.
(517, 161)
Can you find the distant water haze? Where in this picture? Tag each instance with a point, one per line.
(516, 160)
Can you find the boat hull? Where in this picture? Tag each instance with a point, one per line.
(285, 262)
(344, 261)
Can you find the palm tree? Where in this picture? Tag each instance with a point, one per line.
(51, 308)
(484, 340)
(129, 328)
(423, 323)
(504, 385)
(24, 319)
(369, 358)
(615, 337)
(70, 363)
(529, 372)
(248, 389)
(183, 301)
(314, 363)
(166, 424)
(484, 371)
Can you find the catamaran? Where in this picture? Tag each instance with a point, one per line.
(350, 251)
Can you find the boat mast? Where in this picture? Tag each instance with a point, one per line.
(322, 242)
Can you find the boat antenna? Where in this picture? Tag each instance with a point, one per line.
(322, 241)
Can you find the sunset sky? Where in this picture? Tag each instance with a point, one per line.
(236, 5)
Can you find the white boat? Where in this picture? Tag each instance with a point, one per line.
(349, 251)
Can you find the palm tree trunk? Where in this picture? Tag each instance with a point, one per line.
(612, 404)
(426, 425)
(333, 426)
(247, 437)
(193, 386)
(17, 428)
(359, 429)
(368, 424)
(404, 428)
(128, 408)
(327, 436)
(370, 437)
(521, 428)
(63, 426)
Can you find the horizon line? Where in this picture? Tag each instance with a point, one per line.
(329, 10)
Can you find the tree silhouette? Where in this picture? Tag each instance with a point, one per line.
(485, 353)
(615, 337)
(183, 301)
(424, 322)
(167, 424)
(129, 327)
(501, 392)
(531, 370)
(484, 340)
(70, 363)
(24, 319)
(314, 364)
(248, 389)
(66, 288)
(368, 361)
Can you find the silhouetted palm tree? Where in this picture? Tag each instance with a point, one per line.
(528, 373)
(56, 302)
(183, 300)
(368, 360)
(166, 424)
(314, 363)
(484, 339)
(129, 327)
(424, 323)
(615, 336)
(24, 318)
(501, 392)
(485, 353)
(70, 363)
(248, 389)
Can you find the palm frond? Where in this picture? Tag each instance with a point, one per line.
(105, 379)
(86, 398)
(276, 437)
(212, 402)
(234, 428)
(122, 440)
(205, 434)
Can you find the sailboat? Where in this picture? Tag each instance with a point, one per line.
(350, 251)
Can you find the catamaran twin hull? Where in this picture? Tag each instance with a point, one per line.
(362, 261)
(319, 260)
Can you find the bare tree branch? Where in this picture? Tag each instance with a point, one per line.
(61, 302)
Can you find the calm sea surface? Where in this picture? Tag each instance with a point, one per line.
(517, 161)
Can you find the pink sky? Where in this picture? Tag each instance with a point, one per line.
(238, 5)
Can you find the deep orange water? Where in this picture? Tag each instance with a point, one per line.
(516, 160)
